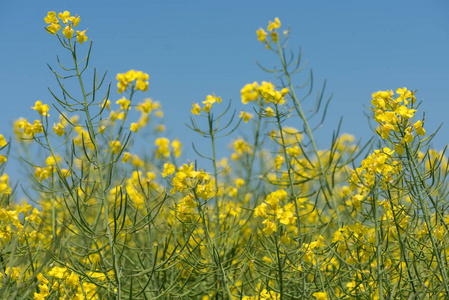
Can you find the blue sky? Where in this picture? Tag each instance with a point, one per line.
(195, 48)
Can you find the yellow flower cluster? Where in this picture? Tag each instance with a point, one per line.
(163, 149)
(210, 100)
(137, 79)
(42, 173)
(379, 164)
(241, 148)
(183, 180)
(393, 113)
(146, 108)
(272, 27)
(275, 212)
(29, 130)
(135, 187)
(306, 218)
(19, 221)
(307, 249)
(188, 179)
(65, 282)
(69, 21)
(41, 108)
(233, 191)
(266, 91)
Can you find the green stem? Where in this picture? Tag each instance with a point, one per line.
(424, 206)
(301, 114)
(213, 251)
(290, 176)
(214, 162)
(99, 167)
(378, 245)
(256, 144)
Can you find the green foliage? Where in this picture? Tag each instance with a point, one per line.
(278, 219)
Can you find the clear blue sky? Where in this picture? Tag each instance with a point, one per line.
(195, 48)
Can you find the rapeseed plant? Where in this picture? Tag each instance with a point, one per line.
(277, 219)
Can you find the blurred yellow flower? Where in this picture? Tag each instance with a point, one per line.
(261, 35)
(274, 25)
(41, 108)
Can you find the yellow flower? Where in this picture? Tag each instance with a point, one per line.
(261, 210)
(278, 161)
(58, 272)
(176, 144)
(274, 25)
(196, 109)
(320, 295)
(210, 99)
(2, 141)
(405, 112)
(42, 173)
(385, 130)
(126, 157)
(246, 116)
(419, 129)
(141, 85)
(40, 277)
(159, 114)
(146, 106)
(124, 103)
(261, 35)
(269, 112)
(239, 182)
(50, 161)
(75, 20)
(168, 169)
(65, 16)
(72, 280)
(68, 32)
(249, 92)
(399, 149)
(271, 227)
(4, 187)
(53, 28)
(51, 18)
(58, 129)
(134, 127)
(163, 147)
(41, 108)
(125, 79)
(115, 145)
(81, 36)
(408, 138)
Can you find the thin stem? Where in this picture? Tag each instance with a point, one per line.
(290, 175)
(99, 167)
(301, 114)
